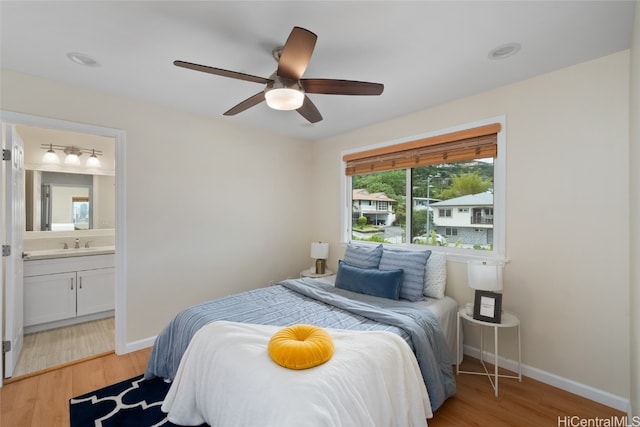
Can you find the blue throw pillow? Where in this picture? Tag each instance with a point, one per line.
(385, 284)
(363, 256)
(413, 263)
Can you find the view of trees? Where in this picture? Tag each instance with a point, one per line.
(392, 183)
(446, 181)
(440, 182)
(451, 180)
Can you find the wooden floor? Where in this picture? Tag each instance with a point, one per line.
(529, 403)
(42, 400)
(42, 350)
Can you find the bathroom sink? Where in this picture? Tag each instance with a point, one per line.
(65, 253)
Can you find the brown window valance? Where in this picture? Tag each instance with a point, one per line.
(476, 143)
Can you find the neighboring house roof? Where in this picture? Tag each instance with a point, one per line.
(362, 194)
(430, 199)
(480, 199)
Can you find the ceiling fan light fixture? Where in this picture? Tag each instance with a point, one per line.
(284, 99)
(284, 94)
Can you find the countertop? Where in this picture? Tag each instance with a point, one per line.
(66, 253)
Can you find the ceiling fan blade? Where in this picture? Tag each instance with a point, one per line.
(246, 104)
(309, 111)
(296, 53)
(221, 72)
(341, 87)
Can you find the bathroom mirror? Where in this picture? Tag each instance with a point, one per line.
(57, 201)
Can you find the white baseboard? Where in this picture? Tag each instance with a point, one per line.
(138, 345)
(588, 392)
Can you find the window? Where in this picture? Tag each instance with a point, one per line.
(440, 190)
(378, 207)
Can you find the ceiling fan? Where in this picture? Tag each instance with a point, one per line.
(286, 89)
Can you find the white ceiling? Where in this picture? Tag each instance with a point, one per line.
(425, 52)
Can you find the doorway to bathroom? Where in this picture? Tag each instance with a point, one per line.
(63, 340)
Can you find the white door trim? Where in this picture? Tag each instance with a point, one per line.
(121, 225)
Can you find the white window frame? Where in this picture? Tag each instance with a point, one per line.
(499, 194)
(445, 212)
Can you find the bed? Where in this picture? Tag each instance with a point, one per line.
(421, 331)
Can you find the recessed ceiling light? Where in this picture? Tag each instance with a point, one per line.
(504, 51)
(82, 59)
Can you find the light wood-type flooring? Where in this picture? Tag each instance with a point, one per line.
(42, 400)
(42, 350)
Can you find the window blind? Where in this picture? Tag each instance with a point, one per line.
(468, 144)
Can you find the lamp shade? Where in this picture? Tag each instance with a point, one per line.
(50, 156)
(485, 275)
(93, 161)
(319, 250)
(72, 159)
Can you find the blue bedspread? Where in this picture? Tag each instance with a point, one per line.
(309, 301)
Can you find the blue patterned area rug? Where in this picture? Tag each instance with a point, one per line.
(130, 403)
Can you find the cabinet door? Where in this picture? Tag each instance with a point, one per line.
(96, 289)
(48, 298)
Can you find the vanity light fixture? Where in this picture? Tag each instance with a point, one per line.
(93, 161)
(50, 156)
(72, 157)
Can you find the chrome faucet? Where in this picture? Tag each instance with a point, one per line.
(77, 245)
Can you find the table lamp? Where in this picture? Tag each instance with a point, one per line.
(320, 252)
(486, 278)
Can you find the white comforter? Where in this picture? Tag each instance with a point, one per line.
(227, 379)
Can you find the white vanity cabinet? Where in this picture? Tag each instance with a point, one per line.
(68, 290)
(49, 298)
(95, 291)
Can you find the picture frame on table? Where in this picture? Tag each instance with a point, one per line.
(487, 306)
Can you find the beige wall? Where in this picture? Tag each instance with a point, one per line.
(567, 221)
(567, 206)
(208, 203)
(634, 300)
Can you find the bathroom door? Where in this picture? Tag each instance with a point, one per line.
(14, 226)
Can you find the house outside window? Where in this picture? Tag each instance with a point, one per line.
(441, 202)
(472, 219)
(371, 208)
